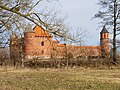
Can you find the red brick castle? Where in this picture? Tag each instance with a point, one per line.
(39, 44)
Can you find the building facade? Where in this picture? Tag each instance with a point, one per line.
(39, 44)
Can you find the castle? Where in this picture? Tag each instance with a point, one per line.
(39, 44)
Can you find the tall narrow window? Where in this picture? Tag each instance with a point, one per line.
(107, 36)
(104, 36)
(42, 43)
(42, 51)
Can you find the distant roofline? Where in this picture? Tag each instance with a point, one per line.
(29, 32)
(87, 46)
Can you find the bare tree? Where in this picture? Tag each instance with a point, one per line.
(13, 13)
(16, 14)
(77, 40)
(110, 16)
(4, 56)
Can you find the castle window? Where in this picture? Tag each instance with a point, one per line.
(42, 43)
(104, 36)
(107, 36)
(42, 51)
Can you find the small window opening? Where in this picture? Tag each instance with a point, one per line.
(42, 51)
(104, 36)
(42, 43)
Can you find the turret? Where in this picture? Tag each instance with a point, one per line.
(13, 40)
(104, 42)
(14, 49)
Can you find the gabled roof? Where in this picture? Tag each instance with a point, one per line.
(40, 32)
(104, 30)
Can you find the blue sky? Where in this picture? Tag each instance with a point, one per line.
(79, 13)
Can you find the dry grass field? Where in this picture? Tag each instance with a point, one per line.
(59, 79)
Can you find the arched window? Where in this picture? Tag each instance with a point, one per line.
(42, 43)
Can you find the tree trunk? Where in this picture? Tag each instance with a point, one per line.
(114, 32)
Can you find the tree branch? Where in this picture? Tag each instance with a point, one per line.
(18, 13)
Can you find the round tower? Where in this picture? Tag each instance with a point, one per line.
(28, 44)
(104, 42)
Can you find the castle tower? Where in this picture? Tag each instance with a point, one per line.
(14, 49)
(13, 46)
(104, 42)
(37, 44)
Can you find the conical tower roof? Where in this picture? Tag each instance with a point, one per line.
(104, 30)
(13, 36)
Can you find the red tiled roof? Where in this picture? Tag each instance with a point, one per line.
(55, 41)
(61, 45)
(87, 46)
